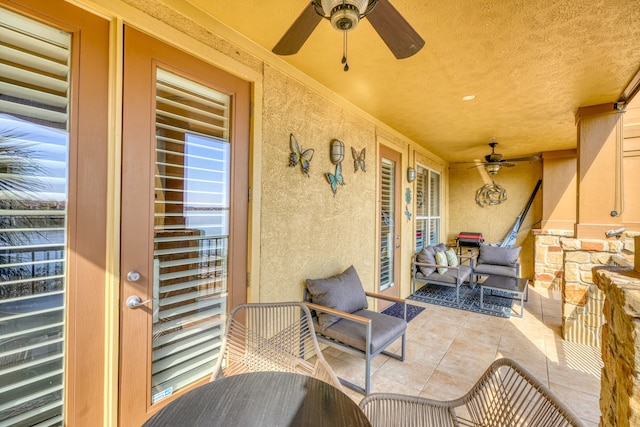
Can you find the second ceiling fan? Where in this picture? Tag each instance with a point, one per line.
(494, 161)
(395, 31)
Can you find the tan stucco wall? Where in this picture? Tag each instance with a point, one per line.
(495, 221)
(306, 231)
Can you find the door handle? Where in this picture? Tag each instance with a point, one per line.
(134, 301)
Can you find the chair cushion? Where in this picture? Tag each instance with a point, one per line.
(454, 276)
(498, 256)
(428, 256)
(499, 270)
(342, 292)
(384, 329)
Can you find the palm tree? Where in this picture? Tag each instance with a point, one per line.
(18, 167)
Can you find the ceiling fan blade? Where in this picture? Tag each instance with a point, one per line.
(299, 32)
(524, 159)
(395, 31)
(507, 164)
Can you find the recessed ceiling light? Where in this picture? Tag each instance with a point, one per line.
(468, 97)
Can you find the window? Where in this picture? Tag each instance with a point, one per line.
(34, 97)
(427, 207)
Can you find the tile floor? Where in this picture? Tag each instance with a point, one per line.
(448, 350)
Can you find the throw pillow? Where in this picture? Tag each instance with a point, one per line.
(440, 247)
(342, 292)
(452, 258)
(428, 256)
(441, 259)
(496, 255)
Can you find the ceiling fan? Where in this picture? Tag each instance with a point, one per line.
(494, 161)
(395, 31)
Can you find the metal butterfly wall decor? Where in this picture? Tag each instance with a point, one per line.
(358, 159)
(407, 198)
(335, 179)
(299, 156)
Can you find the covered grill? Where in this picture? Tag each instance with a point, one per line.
(469, 239)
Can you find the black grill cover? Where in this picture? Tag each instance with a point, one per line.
(469, 238)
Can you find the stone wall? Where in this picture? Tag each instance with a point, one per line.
(549, 258)
(620, 390)
(582, 301)
(565, 263)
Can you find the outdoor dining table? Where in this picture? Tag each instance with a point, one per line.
(262, 399)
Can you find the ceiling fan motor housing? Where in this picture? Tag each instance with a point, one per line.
(345, 14)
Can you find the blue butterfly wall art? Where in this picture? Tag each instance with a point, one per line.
(358, 159)
(299, 156)
(335, 179)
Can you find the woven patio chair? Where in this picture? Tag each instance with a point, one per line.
(272, 337)
(505, 395)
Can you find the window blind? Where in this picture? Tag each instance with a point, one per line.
(191, 227)
(387, 226)
(34, 97)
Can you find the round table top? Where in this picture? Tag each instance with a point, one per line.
(262, 399)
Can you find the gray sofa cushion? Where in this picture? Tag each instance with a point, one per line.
(499, 270)
(342, 292)
(383, 329)
(496, 255)
(428, 256)
(452, 276)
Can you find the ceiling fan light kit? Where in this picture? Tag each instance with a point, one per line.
(344, 14)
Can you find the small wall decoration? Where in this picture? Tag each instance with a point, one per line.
(407, 198)
(335, 179)
(358, 159)
(299, 156)
(490, 194)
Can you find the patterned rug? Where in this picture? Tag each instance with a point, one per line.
(498, 304)
(396, 311)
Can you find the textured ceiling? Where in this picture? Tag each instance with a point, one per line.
(530, 65)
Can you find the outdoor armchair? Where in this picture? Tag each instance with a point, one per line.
(505, 395)
(342, 320)
(272, 337)
(496, 260)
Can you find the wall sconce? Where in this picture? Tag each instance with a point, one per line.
(411, 174)
(337, 151)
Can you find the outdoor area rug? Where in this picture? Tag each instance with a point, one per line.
(396, 311)
(498, 304)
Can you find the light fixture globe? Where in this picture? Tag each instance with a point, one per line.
(337, 151)
(492, 168)
(344, 14)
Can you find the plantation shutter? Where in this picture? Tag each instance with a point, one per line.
(34, 98)
(387, 226)
(191, 231)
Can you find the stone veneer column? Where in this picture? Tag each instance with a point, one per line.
(548, 258)
(583, 302)
(620, 390)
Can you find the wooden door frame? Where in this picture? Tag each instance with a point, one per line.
(85, 348)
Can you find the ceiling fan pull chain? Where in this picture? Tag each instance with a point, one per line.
(344, 51)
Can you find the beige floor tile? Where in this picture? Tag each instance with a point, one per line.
(444, 386)
(585, 406)
(414, 375)
(448, 350)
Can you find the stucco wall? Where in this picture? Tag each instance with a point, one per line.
(495, 221)
(306, 231)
